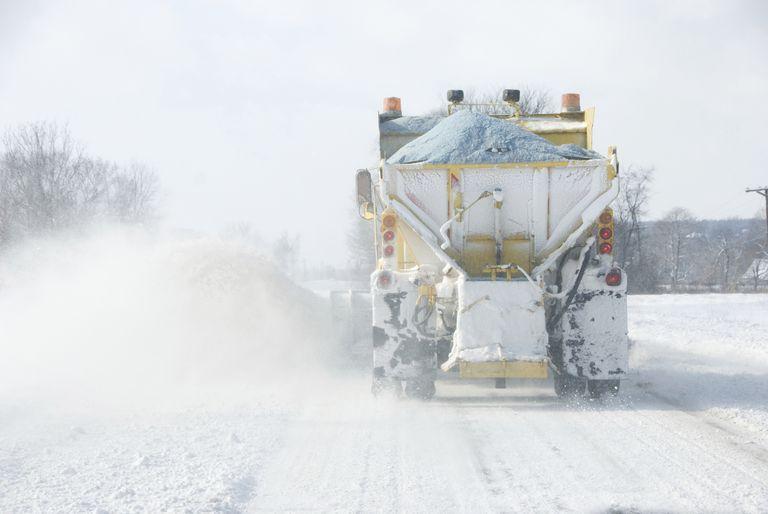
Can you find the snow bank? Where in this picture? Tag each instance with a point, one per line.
(468, 137)
(706, 353)
(125, 310)
(725, 327)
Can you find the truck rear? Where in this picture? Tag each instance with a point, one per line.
(494, 242)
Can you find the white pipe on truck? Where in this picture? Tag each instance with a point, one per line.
(498, 200)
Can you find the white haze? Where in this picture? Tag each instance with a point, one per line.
(118, 313)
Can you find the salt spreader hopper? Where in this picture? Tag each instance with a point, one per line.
(494, 243)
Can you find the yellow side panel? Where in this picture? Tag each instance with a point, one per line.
(504, 369)
(477, 255)
(519, 252)
(480, 251)
(563, 138)
(589, 118)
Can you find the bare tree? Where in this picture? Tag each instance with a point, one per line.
(43, 171)
(48, 182)
(132, 192)
(675, 230)
(535, 101)
(286, 252)
(726, 251)
(631, 208)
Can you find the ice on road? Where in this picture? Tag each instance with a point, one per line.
(688, 433)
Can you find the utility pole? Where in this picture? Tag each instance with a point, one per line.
(764, 192)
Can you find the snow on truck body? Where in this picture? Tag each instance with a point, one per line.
(494, 250)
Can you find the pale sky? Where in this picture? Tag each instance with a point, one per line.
(262, 111)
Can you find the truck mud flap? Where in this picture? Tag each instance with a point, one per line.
(594, 333)
(399, 351)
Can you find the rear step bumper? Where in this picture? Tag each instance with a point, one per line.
(504, 369)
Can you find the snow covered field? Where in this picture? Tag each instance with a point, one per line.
(689, 431)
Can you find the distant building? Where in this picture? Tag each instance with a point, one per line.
(757, 273)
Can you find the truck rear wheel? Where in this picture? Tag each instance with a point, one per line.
(567, 386)
(386, 385)
(599, 388)
(422, 388)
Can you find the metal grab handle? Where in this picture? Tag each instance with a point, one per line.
(445, 226)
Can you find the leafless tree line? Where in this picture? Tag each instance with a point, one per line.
(682, 253)
(49, 182)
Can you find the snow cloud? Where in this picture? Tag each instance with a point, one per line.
(122, 310)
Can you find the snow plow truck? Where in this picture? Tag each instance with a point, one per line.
(494, 243)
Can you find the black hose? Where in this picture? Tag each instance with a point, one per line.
(421, 325)
(560, 264)
(450, 328)
(571, 294)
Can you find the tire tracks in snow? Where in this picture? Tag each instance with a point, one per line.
(599, 456)
(504, 487)
(716, 447)
(735, 436)
(473, 449)
(359, 454)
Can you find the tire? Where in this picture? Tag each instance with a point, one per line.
(599, 388)
(420, 388)
(568, 386)
(377, 386)
(383, 385)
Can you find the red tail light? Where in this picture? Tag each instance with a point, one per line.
(389, 250)
(613, 277)
(384, 280)
(605, 232)
(389, 235)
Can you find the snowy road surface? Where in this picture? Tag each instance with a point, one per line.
(688, 433)
(473, 450)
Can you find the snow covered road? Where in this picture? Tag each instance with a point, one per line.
(475, 449)
(688, 433)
